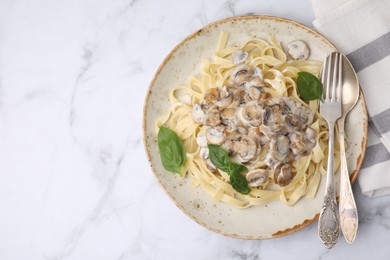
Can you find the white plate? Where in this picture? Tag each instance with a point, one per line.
(260, 222)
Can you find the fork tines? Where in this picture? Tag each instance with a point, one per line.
(332, 81)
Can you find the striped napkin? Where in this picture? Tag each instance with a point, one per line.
(361, 29)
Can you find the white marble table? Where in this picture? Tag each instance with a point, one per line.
(74, 179)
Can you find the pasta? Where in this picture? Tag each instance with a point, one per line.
(278, 75)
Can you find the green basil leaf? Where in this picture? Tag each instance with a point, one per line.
(309, 86)
(237, 168)
(219, 158)
(172, 150)
(239, 183)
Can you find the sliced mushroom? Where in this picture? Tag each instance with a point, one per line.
(272, 124)
(238, 123)
(292, 123)
(289, 103)
(216, 135)
(211, 96)
(264, 140)
(242, 130)
(252, 114)
(228, 115)
(240, 118)
(268, 116)
(297, 143)
(272, 101)
(302, 143)
(310, 133)
(305, 115)
(252, 94)
(198, 114)
(271, 163)
(283, 175)
(213, 117)
(255, 133)
(279, 148)
(210, 165)
(257, 177)
(201, 139)
(239, 56)
(236, 99)
(241, 74)
(228, 118)
(271, 131)
(244, 148)
(224, 99)
(298, 50)
(204, 153)
(228, 145)
(278, 106)
(255, 82)
(264, 96)
(248, 116)
(259, 137)
(281, 108)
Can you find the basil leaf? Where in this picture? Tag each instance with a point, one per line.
(239, 183)
(309, 86)
(237, 168)
(219, 158)
(172, 151)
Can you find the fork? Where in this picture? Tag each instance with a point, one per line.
(330, 110)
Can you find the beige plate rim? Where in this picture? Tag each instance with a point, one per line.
(353, 175)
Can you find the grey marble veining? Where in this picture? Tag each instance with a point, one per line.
(74, 179)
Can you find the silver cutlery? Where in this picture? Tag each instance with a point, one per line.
(330, 110)
(347, 205)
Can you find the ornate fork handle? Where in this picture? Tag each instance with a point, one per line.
(328, 224)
